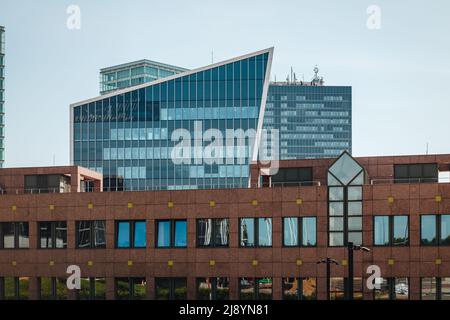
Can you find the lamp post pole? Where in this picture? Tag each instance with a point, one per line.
(328, 262)
(350, 271)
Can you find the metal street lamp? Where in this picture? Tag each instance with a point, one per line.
(328, 261)
(350, 248)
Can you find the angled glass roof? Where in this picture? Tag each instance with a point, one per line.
(345, 170)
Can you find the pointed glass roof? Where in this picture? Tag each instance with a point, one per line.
(345, 170)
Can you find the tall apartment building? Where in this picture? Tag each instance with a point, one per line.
(314, 120)
(2, 96)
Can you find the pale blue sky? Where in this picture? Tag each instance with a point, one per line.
(400, 74)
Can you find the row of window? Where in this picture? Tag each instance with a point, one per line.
(217, 288)
(253, 232)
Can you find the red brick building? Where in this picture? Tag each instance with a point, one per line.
(160, 244)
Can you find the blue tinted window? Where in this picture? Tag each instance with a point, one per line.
(163, 234)
(401, 232)
(123, 234)
(445, 230)
(140, 234)
(180, 239)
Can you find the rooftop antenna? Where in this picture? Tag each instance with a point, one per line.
(292, 71)
(427, 149)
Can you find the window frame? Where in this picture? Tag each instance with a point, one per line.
(131, 286)
(213, 233)
(391, 227)
(172, 234)
(255, 233)
(300, 236)
(438, 230)
(131, 231)
(53, 224)
(16, 235)
(91, 234)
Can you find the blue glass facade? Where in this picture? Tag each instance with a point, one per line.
(126, 134)
(313, 121)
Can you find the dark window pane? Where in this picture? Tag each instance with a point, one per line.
(83, 234)
(247, 288)
(139, 288)
(265, 289)
(221, 232)
(60, 234)
(162, 288)
(204, 289)
(100, 288)
(10, 288)
(24, 288)
(46, 288)
(222, 289)
(99, 234)
(8, 235)
(204, 232)
(61, 289)
(24, 241)
(337, 289)
(45, 235)
(122, 289)
(85, 291)
(290, 289)
(180, 289)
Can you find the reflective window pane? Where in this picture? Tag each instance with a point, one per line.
(99, 234)
(355, 223)
(309, 231)
(290, 231)
(309, 288)
(247, 232)
(24, 241)
(179, 289)
(354, 193)
(428, 230)
(355, 208)
(445, 288)
(163, 234)
(139, 288)
(428, 288)
(381, 230)
(122, 289)
(221, 232)
(336, 239)
(355, 237)
(290, 288)
(83, 234)
(180, 238)
(60, 234)
(336, 193)
(336, 224)
(24, 288)
(265, 289)
(247, 289)
(140, 234)
(336, 208)
(401, 289)
(8, 231)
(445, 230)
(401, 231)
(204, 232)
(123, 234)
(265, 232)
(162, 288)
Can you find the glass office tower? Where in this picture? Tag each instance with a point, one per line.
(134, 73)
(126, 134)
(314, 121)
(2, 96)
